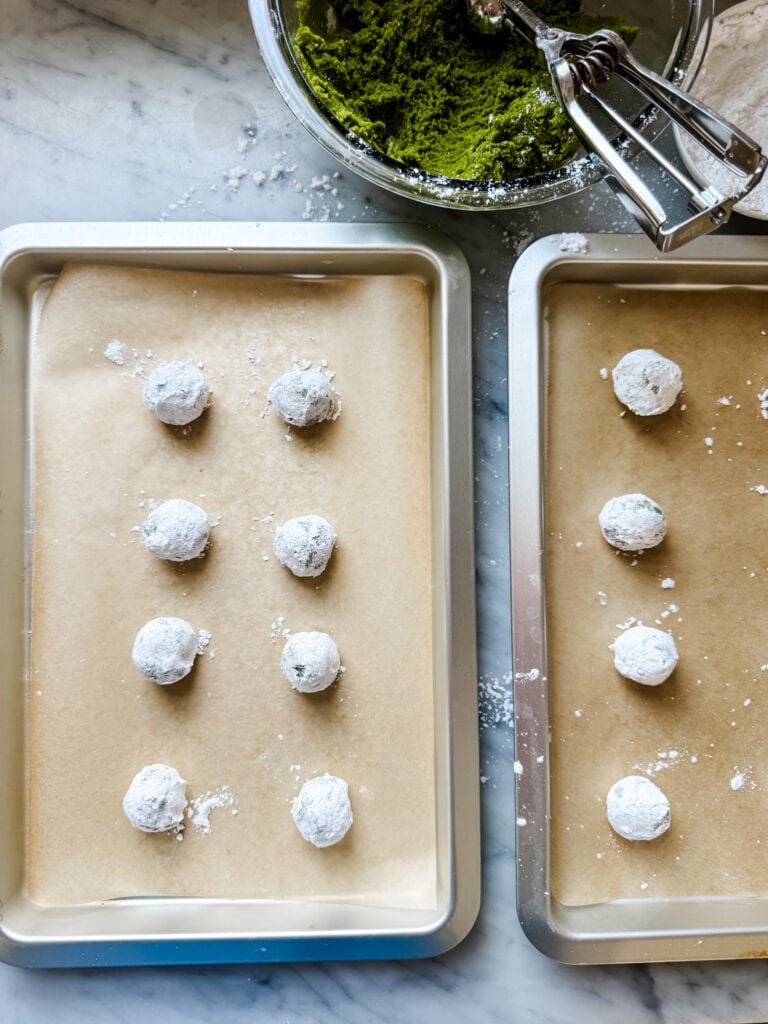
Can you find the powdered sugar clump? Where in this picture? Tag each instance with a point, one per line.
(573, 241)
(495, 701)
(201, 807)
(116, 352)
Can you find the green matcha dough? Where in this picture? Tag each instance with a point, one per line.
(411, 79)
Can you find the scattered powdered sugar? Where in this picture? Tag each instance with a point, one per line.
(279, 630)
(233, 177)
(604, 372)
(737, 782)
(669, 610)
(763, 400)
(760, 488)
(495, 701)
(664, 759)
(573, 242)
(117, 352)
(201, 807)
(203, 639)
(667, 583)
(132, 362)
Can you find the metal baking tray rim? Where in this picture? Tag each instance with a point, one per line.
(629, 930)
(168, 930)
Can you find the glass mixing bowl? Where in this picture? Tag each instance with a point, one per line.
(671, 41)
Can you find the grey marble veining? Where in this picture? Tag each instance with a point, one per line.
(162, 110)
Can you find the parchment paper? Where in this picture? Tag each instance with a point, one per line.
(100, 457)
(704, 732)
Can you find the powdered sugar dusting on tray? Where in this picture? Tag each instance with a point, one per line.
(496, 703)
(201, 807)
(131, 361)
(573, 242)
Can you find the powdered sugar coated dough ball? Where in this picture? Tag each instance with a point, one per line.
(632, 522)
(165, 649)
(177, 530)
(305, 545)
(176, 393)
(302, 397)
(637, 808)
(322, 810)
(646, 382)
(310, 661)
(645, 655)
(155, 799)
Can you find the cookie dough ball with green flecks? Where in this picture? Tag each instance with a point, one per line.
(176, 392)
(302, 397)
(637, 809)
(645, 655)
(310, 661)
(304, 545)
(632, 522)
(156, 799)
(165, 649)
(177, 530)
(322, 811)
(646, 382)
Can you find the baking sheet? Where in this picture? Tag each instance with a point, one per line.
(585, 895)
(157, 929)
(100, 461)
(701, 736)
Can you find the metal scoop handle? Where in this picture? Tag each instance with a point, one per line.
(594, 59)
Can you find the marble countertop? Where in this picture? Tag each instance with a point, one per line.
(162, 110)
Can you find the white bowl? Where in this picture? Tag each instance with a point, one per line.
(719, 80)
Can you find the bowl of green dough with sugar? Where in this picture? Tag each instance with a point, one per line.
(406, 94)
